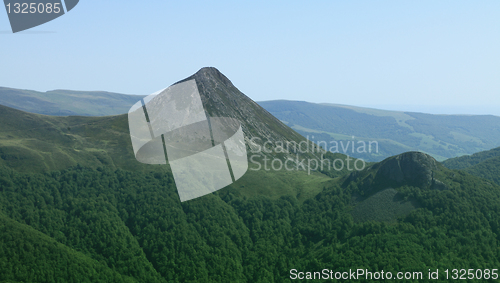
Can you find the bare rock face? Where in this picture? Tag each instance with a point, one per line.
(412, 168)
(221, 98)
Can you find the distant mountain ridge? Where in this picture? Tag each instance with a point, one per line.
(442, 136)
(68, 102)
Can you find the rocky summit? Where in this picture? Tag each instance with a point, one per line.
(412, 168)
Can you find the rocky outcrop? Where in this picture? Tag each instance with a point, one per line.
(410, 168)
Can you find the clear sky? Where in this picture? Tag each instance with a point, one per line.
(430, 56)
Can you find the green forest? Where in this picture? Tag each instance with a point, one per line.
(113, 225)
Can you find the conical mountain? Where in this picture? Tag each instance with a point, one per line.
(221, 98)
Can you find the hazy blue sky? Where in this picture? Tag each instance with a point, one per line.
(432, 56)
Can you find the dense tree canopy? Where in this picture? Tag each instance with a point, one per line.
(104, 225)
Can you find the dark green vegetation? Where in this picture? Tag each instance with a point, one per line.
(485, 164)
(76, 206)
(28, 255)
(442, 136)
(103, 225)
(68, 102)
(466, 161)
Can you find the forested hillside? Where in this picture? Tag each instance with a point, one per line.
(466, 161)
(485, 164)
(121, 224)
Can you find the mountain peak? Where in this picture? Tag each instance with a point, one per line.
(209, 74)
(208, 71)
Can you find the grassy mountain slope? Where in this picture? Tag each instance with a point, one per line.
(68, 102)
(442, 136)
(33, 142)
